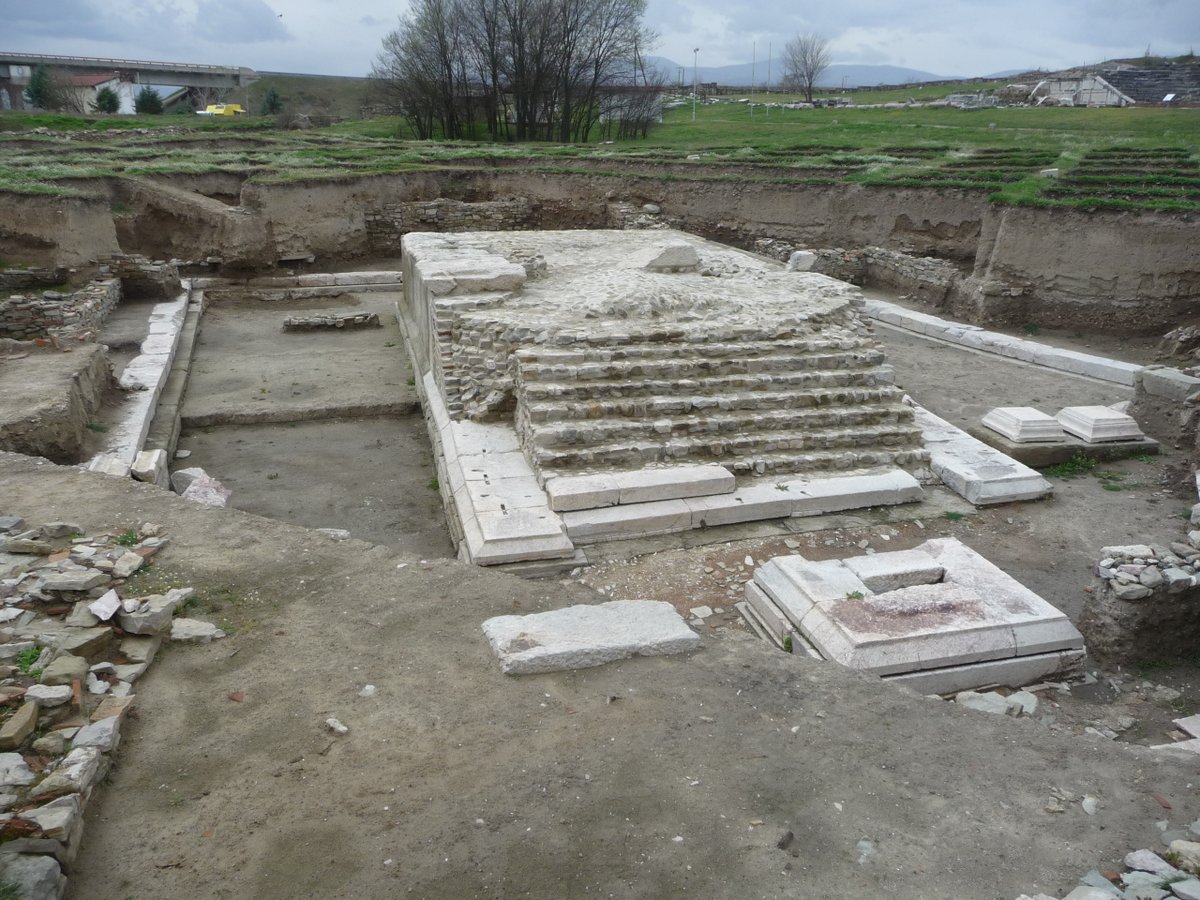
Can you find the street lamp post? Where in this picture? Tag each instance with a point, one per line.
(695, 56)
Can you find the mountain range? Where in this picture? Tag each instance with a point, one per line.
(837, 75)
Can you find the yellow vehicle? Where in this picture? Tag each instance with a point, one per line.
(222, 109)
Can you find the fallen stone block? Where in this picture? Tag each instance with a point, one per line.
(78, 771)
(14, 772)
(103, 734)
(194, 631)
(208, 492)
(64, 669)
(151, 466)
(48, 695)
(583, 636)
(19, 727)
(59, 819)
(33, 877)
(154, 613)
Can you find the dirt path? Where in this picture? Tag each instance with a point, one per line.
(649, 778)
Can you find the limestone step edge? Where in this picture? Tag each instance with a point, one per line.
(771, 499)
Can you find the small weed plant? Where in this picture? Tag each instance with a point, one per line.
(127, 538)
(1077, 465)
(26, 658)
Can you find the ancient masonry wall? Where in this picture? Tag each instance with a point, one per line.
(931, 280)
(52, 314)
(1145, 603)
(28, 279)
(386, 225)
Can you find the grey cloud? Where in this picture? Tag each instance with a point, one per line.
(239, 21)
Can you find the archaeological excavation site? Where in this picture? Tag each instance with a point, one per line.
(650, 524)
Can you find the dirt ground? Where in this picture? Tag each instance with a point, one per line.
(247, 369)
(648, 778)
(371, 476)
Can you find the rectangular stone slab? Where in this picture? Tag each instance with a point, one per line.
(974, 614)
(616, 523)
(769, 615)
(978, 473)
(580, 637)
(1015, 671)
(1098, 423)
(898, 569)
(1024, 424)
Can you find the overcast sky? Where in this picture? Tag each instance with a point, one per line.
(341, 37)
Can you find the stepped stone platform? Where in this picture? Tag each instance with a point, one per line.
(938, 618)
(649, 383)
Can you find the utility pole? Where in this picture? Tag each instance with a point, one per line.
(770, 48)
(695, 58)
(753, 73)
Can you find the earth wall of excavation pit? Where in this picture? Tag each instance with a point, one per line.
(36, 229)
(1099, 270)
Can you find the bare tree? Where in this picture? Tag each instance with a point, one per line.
(805, 58)
(548, 63)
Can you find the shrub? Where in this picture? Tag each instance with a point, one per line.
(107, 101)
(148, 102)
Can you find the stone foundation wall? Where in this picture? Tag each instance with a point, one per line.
(52, 314)
(1145, 603)
(1166, 404)
(386, 225)
(28, 279)
(926, 279)
(141, 278)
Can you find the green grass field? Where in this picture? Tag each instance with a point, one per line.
(1106, 158)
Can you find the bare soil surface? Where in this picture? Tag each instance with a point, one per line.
(371, 476)
(736, 771)
(247, 369)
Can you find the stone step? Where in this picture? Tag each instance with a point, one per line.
(764, 452)
(797, 426)
(690, 349)
(550, 391)
(691, 367)
(676, 403)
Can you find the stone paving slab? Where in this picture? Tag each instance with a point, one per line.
(1002, 344)
(576, 492)
(980, 474)
(579, 637)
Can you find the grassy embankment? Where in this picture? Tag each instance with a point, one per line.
(1106, 158)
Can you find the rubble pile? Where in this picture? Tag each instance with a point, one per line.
(75, 636)
(1142, 603)
(1146, 875)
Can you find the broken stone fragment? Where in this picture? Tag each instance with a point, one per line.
(64, 669)
(33, 877)
(1131, 591)
(104, 734)
(86, 642)
(106, 606)
(153, 615)
(676, 257)
(60, 529)
(77, 772)
(19, 726)
(79, 579)
(208, 492)
(46, 695)
(194, 631)
(181, 478)
(26, 545)
(58, 819)
(14, 772)
(127, 564)
(151, 466)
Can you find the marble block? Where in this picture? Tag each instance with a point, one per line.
(1095, 424)
(1024, 424)
(579, 637)
(952, 608)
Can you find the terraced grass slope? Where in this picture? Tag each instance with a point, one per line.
(1104, 158)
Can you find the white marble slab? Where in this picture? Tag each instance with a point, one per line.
(1024, 424)
(579, 637)
(1096, 424)
(973, 614)
(980, 474)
